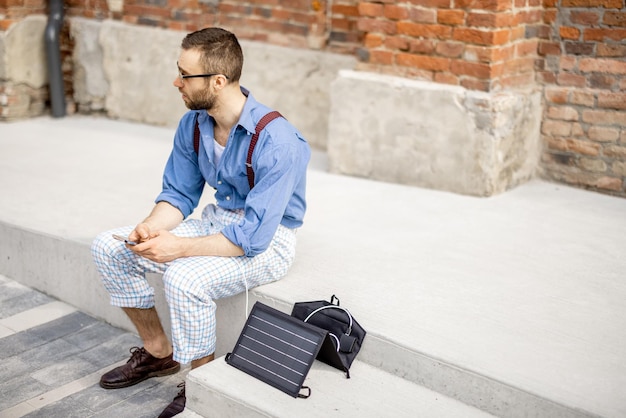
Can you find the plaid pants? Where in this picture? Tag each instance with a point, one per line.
(191, 283)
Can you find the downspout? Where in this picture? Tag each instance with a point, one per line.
(53, 54)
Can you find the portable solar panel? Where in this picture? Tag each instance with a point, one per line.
(278, 349)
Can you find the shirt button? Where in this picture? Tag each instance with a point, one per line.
(227, 197)
(219, 182)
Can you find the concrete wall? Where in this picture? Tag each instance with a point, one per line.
(23, 74)
(432, 135)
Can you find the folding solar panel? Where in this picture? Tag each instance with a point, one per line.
(276, 348)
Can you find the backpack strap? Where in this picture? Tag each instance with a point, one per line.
(259, 127)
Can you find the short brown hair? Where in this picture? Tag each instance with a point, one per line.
(220, 51)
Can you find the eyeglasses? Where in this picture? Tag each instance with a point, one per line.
(184, 76)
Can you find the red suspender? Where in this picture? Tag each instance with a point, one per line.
(259, 127)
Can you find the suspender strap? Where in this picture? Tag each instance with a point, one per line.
(196, 136)
(259, 127)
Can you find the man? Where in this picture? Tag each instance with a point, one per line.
(244, 240)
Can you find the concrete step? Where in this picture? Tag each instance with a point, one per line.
(219, 390)
(511, 304)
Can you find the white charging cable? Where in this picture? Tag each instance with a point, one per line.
(245, 282)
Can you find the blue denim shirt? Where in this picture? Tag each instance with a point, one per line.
(279, 162)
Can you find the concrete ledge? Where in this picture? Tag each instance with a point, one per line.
(220, 390)
(431, 135)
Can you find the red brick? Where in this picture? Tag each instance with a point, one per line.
(619, 168)
(563, 113)
(451, 17)
(423, 62)
(421, 46)
(491, 5)
(612, 18)
(549, 48)
(371, 9)
(516, 80)
(424, 30)
(609, 183)
(480, 37)
(602, 35)
(612, 100)
(602, 66)
(549, 16)
(376, 25)
(372, 40)
(381, 57)
(614, 151)
(568, 32)
(607, 4)
(345, 9)
(490, 20)
(583, 98)
(610, 50)
(446, 78)
(478, 70)
(394, 12)
(450, 49)
(594, 165)
(603, 134)
(604, 117)
(423, 15)
(399, 43)
(569, 79)
(573, 145)
(525, 48)
(567, 63)
(556, 128)
(475, 53)
(437, 4)
(474, 84)
(528, 17)
(586, 18)
(556, 95)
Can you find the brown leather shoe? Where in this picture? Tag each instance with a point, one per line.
(139, 367)
(177, 405)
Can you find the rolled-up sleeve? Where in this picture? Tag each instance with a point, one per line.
(278, 195)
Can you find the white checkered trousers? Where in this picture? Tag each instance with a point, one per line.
(191, 284)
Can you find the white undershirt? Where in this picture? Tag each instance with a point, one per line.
(218, 150)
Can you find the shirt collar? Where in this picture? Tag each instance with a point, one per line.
(245, 119)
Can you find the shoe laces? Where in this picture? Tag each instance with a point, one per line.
(181, 393)
(136, 354)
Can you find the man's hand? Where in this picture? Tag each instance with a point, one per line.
(141, 233)
(160, 247)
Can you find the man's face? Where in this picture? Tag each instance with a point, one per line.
(197, 93)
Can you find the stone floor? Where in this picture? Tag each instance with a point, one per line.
(53, 356)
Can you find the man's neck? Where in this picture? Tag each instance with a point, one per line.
(228, 109)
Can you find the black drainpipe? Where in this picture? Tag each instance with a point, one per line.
(53, 53)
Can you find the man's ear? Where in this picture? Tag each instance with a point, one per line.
(219, 81)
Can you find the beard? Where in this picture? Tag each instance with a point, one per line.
(201, 100)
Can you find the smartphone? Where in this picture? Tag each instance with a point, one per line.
(124, 239)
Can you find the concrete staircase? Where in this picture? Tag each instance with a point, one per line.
(509, 306)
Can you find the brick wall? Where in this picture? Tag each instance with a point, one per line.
(481, 45)
(584, 127)
(574, 49)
